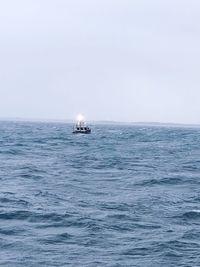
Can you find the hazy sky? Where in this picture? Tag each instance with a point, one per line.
(125, 60)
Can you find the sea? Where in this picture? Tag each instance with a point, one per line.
(124, 195)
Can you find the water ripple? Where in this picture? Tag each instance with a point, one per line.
(122, 196)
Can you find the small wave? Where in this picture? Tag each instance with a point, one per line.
(59, 238)
(32, 217)
(142, 251)
(114, 206)
(31, 176)
(162, 181)
(14, 201)
(15, 215)
(30, 168)
(119, 217)
(188, 215)
(191, 235)
(192, 168)
(193, 214)
(40, 218)
(13, 152)
(11, 232)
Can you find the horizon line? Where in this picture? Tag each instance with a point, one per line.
(151, 123)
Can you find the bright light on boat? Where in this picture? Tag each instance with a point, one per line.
(80, 117)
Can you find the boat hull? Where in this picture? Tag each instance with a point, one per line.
(81, 132)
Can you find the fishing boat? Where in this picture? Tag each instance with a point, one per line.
(81, 126)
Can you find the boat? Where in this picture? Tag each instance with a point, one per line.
(81, 126)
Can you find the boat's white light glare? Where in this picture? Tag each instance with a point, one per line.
(80, 117)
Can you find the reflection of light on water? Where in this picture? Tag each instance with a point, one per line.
(80, 117)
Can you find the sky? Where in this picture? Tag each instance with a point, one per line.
(119, 60)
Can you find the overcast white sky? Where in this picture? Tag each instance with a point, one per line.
(124, 60)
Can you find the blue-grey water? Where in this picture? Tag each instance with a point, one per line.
(122, 196)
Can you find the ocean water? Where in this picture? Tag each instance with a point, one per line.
(122, 196)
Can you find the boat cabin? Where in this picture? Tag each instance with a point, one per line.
(81, 127)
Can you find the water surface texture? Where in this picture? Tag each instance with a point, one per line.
(122, 196)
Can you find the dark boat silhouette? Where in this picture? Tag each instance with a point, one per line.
(81, 126)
